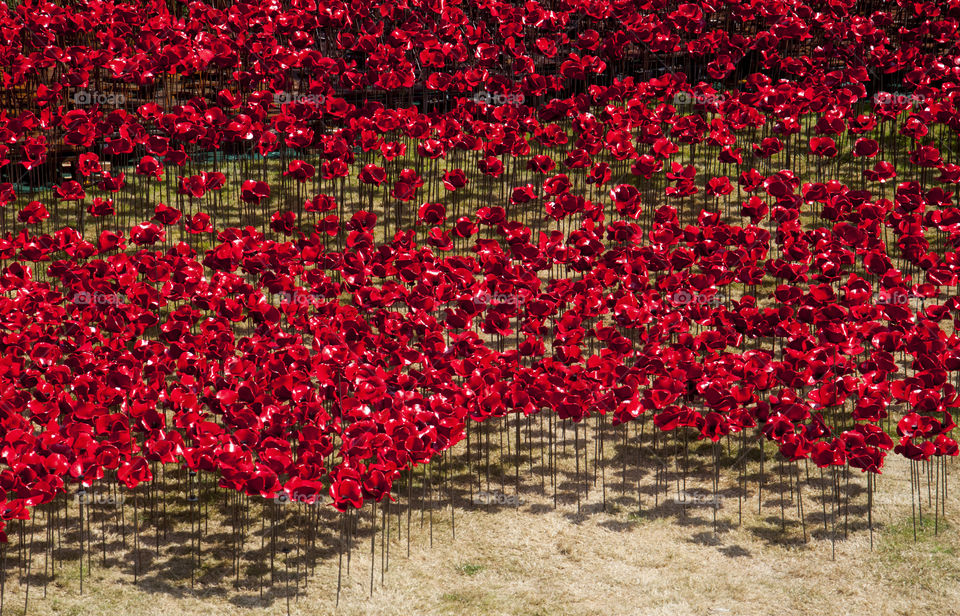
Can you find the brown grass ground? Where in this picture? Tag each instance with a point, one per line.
(534, 559)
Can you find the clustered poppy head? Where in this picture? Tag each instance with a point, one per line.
(320, 301)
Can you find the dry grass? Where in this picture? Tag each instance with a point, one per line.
(534, 559)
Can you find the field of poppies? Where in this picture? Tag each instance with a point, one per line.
(405, 257)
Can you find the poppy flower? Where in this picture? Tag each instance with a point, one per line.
(7, 194)
(193, 186)
(926, 156)
(523, 194)
(33, 213)
(345, 489)
(731, 155)
(283, 222)
(882, 172)
(768, 147)
(146, 233)
(432, 214)
(392, 150)
(149, 165)
(363, 221)
(403, 191)
(556, 185)
(320, 203)
(372, 174)
(491, 166)
(454, 179)
(254, 191)
(71, 191)
(88, 163)
(134, 472)
(464, 227)
(823, 147)
(109, 241)
(331, 169)
(599, 174)
(865, 147)
(34, 152)
(199, 223)
(300, 170)
(626, 198)
(329, 226)
(541, 163)
(166, 215)
(719, 186)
